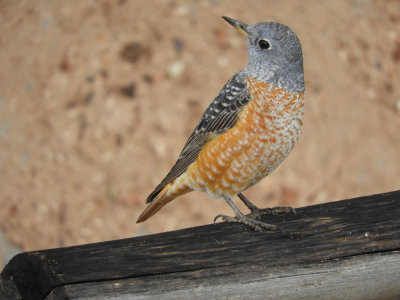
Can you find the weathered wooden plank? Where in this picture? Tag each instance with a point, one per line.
(369, 276)
(319, 233)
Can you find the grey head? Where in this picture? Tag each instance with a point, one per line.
(275, 54)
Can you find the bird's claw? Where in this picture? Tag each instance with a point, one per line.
(257, 212)
(256, 225)
(225, 218)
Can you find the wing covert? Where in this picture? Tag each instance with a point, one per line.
(220, 115)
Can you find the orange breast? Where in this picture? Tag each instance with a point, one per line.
(265, 133)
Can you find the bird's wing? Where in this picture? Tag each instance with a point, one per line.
(220, 116)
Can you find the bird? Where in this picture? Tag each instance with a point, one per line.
(247, 130)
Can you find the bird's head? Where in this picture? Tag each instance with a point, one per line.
(275, 54)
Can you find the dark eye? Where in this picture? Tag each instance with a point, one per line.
(264, 44)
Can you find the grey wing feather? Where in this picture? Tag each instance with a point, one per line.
(220, 116)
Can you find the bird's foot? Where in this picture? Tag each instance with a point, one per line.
(257, 212)
(256, 225)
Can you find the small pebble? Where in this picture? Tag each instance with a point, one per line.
(398, 105)
(371, 94)
(129, 90)
(176, 69)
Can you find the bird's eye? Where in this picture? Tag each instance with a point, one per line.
(264, 44)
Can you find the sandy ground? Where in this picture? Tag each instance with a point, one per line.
(97, 99)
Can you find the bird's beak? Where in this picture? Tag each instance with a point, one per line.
(241, 27)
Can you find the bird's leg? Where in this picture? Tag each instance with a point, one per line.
(256, 212)
(254, 209)
(256, 225)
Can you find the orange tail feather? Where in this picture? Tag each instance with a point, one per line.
(160, 200)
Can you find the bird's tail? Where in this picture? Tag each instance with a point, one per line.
(167, 194)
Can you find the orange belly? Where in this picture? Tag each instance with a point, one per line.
(265, 133)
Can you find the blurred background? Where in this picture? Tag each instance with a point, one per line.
(97, 99)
